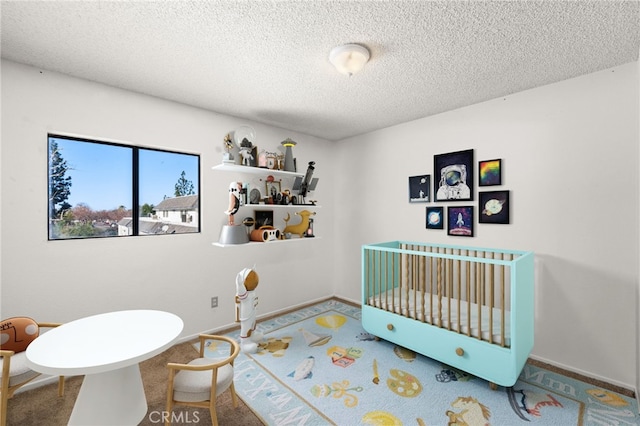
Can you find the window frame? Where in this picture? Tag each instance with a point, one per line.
(135, 186)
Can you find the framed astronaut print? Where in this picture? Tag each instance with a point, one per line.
(453, 176)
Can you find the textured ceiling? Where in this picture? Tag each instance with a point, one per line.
(268, 60)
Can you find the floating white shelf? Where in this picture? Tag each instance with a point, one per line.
(264, 172)
(268, 243)
(254, 170)
(280, 206)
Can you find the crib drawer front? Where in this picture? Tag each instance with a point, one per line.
(482, 359)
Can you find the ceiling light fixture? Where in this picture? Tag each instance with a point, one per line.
(349, 58)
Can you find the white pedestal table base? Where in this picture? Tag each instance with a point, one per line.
(111, 398)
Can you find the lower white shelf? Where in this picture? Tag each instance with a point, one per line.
(268, 243)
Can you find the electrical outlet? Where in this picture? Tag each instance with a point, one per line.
(214, 302)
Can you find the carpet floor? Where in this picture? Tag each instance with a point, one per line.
(304, 340)
(318, 366)
(42, 406)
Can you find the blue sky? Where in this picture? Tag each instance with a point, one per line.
(101, 174)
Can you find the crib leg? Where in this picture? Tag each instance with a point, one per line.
(493, 386)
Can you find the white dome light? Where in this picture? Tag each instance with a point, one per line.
(349, 58)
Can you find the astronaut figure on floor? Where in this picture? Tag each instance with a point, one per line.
(246, 303)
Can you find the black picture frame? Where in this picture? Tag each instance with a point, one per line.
(490, 172)
(272, 189)
(460, 221)
(253, 161)
(494, 207)
(453, 176)
(263, 218)
(419, 188)
(434, 218)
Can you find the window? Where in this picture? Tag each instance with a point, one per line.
(96, 189)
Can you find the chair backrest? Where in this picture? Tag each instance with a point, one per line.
(17, 333)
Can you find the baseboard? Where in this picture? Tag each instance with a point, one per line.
(45, 380)
(293, 308)
(606, 383)
(565, 370)
(585, 376)
(223, 329)
(621, 388)
(354, 302)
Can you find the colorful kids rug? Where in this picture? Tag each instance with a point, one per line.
(319, 367)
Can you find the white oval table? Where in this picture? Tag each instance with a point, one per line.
(106, 349)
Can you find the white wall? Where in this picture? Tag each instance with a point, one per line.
(637, 388)
(63, 280)
(570, 159)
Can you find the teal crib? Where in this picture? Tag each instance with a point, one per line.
(470, 308)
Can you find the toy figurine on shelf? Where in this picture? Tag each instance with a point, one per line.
(244, 137)
(289, 164)
(245, 152)
(309, 232)
(235, 190)
(246, 303)
(301, 228)
(228, 144)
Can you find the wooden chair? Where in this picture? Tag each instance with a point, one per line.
(15, 335)
(198, 383)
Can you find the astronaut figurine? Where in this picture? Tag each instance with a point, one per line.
(235, 189)
(246, 303)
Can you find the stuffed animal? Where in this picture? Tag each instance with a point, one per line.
(246, 155)
(300, 228)
(246, 302)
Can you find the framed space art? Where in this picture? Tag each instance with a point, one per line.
(490, 172)
(460, 221)
(453, 176)
(494, 207)
(419, 188)
(263, 218)
(435, 218)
